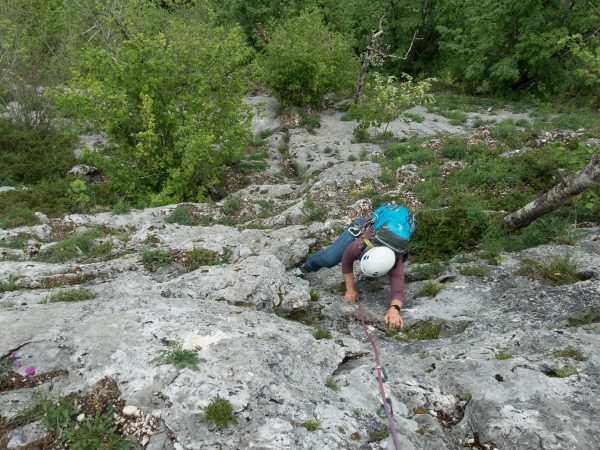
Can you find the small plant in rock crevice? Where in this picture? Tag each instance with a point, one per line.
(177, 356)
(472, 271)
(182, 215)
(219, 412)
(378, 434)
(587, 318)
(561, 372)
(71, 295)
(556, 271)
(9, 285)
(430, 289)
(314, 295)
(152, 260)
(311, 425)
(422, 331)
(199, 257)
(321, 332)
(331, 384)
(503, 355)
(570, 352)
(314, 213)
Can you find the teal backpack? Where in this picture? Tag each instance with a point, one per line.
(393, 226)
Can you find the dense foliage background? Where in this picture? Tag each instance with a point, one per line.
(163, 80)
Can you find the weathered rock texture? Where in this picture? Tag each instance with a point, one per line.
(447, 393)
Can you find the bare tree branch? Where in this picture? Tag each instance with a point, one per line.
(574, 184)
(373, 49)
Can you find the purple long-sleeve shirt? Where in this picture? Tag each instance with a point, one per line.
(353, 252)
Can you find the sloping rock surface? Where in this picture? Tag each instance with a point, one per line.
(251, 323)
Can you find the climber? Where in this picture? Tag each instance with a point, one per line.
(369, 240)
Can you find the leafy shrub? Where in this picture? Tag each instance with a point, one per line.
(79, 198)
(169, 138)
(304, 60)
(386, 98)
(32, 155)
(443, 234)
(219, 412)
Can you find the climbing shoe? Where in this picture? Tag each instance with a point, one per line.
(299, 272)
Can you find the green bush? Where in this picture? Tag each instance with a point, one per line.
(304, 60)
(442, 234)
(174, 118)
(29, 155)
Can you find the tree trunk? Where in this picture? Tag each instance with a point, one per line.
(570, 186)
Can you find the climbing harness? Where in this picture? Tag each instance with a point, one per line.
(381, 379)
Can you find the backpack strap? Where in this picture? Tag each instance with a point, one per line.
(369, 243)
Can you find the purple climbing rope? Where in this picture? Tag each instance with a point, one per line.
(386, 406)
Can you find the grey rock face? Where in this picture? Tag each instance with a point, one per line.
(251, 324)
(264, 114)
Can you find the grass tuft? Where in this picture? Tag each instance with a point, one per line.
(219, 412)
(71, 295)
(503, 355)
(472, 271)
(423, 331)
(331, 384)
(181, 215)
(79, 247)
(152, 260)
(571, 352)
(177, 356)
(321, 332)
(556, 271)
(430, 289)
(311, 425)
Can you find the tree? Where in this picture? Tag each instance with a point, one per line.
(304, 60)
(170, 105)
(559, 194)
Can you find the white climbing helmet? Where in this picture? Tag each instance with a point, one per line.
(377, 261)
